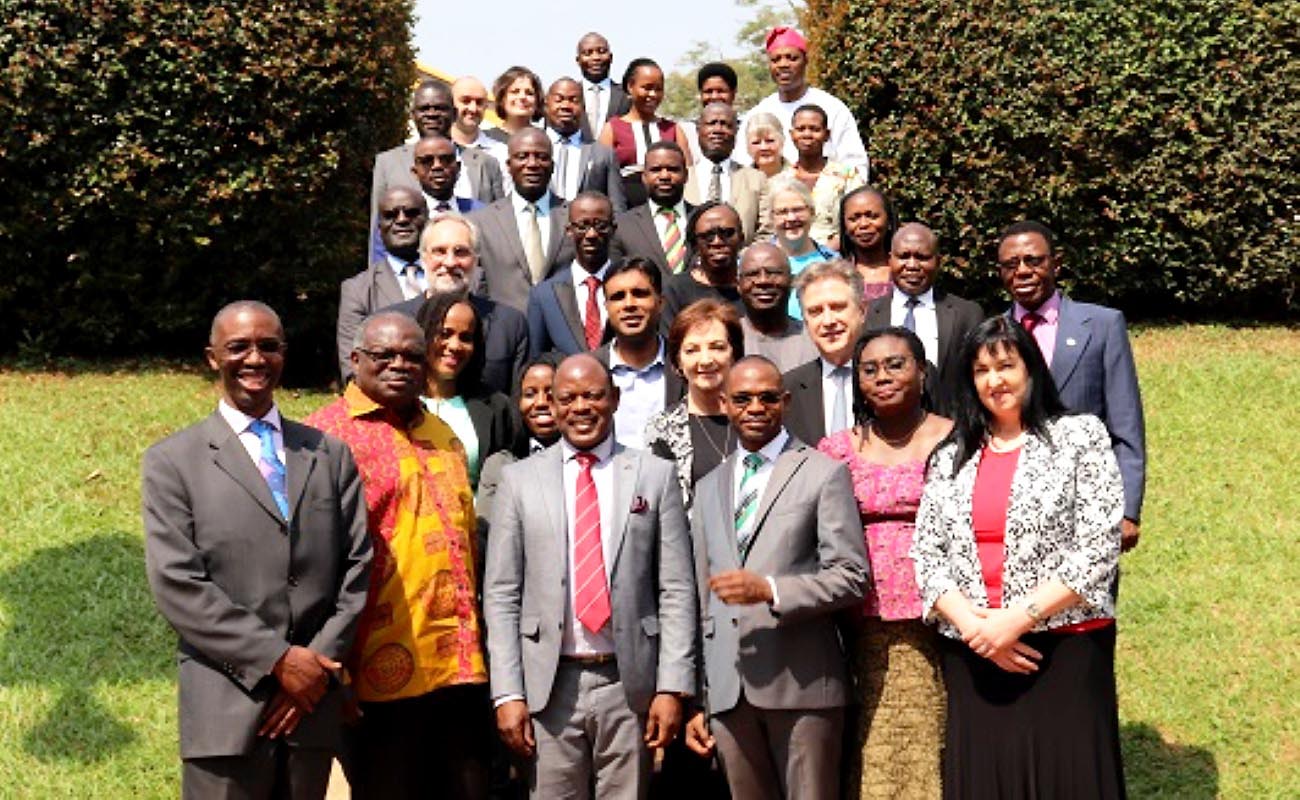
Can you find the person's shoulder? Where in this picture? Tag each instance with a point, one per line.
(804, 372)
(393, 153)
(838, 445)
(1079, 308)
(187, 438)
(1078, 429)
(829, 102)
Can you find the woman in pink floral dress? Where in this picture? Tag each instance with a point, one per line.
(901, 723)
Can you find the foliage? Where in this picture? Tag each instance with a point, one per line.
(163, 157)
(1160, 140)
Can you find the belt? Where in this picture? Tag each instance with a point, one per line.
(593, 660)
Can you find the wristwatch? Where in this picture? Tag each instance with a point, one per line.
(1034, 612)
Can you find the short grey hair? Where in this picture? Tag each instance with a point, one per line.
(835, 269)
(760, 121)
(469, 224)
(786, 183)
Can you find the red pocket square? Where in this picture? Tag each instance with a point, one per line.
(639, 505)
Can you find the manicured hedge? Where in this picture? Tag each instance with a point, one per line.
(162, 157)
(1161, 140)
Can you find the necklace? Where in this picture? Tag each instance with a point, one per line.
(708, 437)
(900, 440)
(999, 445)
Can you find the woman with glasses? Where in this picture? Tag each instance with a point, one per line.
(895, 656)
(1017, 542)
(481, 418)
(867, 224)
(792, 215)
(714, 237)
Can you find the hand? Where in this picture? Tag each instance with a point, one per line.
(1018, 657)
(663, 721)
(281, 717)
(741, 587)
(516, 727)
(304, 675)
(698, 737)
(1129, 531)
(996, 629)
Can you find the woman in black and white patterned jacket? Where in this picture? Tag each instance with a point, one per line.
(1017, 543)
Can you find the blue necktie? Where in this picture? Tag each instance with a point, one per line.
(270, 465)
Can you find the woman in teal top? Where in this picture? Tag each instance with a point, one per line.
(792, 217)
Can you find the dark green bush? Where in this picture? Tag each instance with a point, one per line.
(1160, 140)
(159, 158)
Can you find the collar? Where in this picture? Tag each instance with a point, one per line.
(604, 85)
(360, 404)
(574, 139)
(899, 298)
(543, 203)
(398, 264)
(1050, 310)
(616, 361)
(239, 421)
(580, 274)
(828, 367)
(724, 163)
(679, 210)
(770, 450)
(603, 451)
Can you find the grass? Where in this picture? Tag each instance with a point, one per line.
(1208, 661)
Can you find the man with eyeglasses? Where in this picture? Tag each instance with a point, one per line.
(566, 312)
(437, 170)
(257, 554)
(940, 319)
(418, 654)
(1087, 349)
(779, 550)
(719, 178)
(764, 283)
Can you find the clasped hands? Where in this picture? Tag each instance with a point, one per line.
(994, 633)
(663, 721)
(304, 677)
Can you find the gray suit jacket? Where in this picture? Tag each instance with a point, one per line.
(652, 594)
(240, 585)
(636, 236)
(360, 296)
(808, 537)
(393, 168)
(503, 268)
(598, 167)
(749, 196)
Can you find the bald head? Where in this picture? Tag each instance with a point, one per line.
(585, 401)
(755, 401)
(232, 310)
(388, 358)
(402, 214)
(594, 57)
(529, 162)
(469, 96)
(395, 320)
(914, 259)
(564, 106)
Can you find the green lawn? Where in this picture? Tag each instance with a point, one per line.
(1209, 657)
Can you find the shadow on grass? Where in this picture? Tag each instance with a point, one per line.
(81, 615)
(1156, 768)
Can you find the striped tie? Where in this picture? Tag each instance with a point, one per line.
(748, 500)
(270, 465)
(674, 247)
(591, 595)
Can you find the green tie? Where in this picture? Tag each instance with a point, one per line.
(748, 499)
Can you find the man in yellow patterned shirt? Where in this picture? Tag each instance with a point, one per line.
(417, 663)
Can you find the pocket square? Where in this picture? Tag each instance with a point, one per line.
(639, 505)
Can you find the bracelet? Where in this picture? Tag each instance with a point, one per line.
(1034, 612)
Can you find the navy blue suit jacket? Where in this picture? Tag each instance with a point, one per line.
(554, 321)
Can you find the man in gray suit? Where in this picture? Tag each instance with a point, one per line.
(523, 241)
(589, 601)
(717, 177)
(778, 549)
(581, 163)
(257, 554)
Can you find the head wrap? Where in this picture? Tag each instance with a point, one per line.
(785, 37)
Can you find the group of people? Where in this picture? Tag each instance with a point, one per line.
(656, 470)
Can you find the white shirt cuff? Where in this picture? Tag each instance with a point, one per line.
(506, 698)
(776, 598)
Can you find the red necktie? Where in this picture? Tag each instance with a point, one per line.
(1031, 320)
(591, 597)
(591, 325)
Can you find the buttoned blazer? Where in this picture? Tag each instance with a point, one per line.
(240, 585)
(955, 317)
(749, 197)
(505, 339)
(554, 320)
(805, 417)
(808, 538)
(652, 589)
(360, 296)
(636, 236)
(503, 273)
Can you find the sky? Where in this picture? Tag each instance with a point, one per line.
(485, 38)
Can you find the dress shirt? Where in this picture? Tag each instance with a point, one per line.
(704, 175)
(1045, 332)
(463, 188)
(580, 291)
(576, 639)
(828, 394)
(239, 422)
(566, 185)
(451, 208)
(641, 395)
(399, 270)
(769, 451)
(927, 322)
(543, 219)
(602, 114)
(661, 225)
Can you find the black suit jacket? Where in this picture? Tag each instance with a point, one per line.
(805, 418)
(619, 104)
(505, 338)
(674, 386)
(956, 316)
(636, 236)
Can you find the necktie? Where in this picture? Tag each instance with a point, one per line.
(748, 499)
(411, 275)
(593, 109)
(909, 319)
(839, 408)
(270, 465)
(560, 183)
(533, 244)
(1030, 321)
(715, 184)
(591, 592)
(591, 325)
(442, 207)
(674, 247)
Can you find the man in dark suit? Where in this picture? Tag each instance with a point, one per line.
(257, 554)
(778, 550)
(941, 320)
(395, 276)
(581, 163)
(1087, 348)
(436, 169)
(601, 97)
(523, 241)
(717, 177)
(566, 313)
(821, 391)
(449, 252)
(657, 230)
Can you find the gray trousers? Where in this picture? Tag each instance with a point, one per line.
(770, 754)
(272, 771)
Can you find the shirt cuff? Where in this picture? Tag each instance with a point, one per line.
(776, 598)
(506, 698)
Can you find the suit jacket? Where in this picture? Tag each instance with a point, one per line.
(505, 340)
(554, 320)
(749, 196)
(240, 585)
(652, 591)
(360, 296)
(619, 104)
(956, 316)
(636, 236)
(503, 268)
(598, 168)
(808, 538)
(674, 386)
(805, 417)
(1094, 371)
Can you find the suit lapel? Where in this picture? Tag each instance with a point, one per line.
(568, 302)
(551, 466)
(584, 163)
(646, 226)
(725, 496)
(787, 464)
(878, 313)
(231, 457)
(300, 460)
(509, 232)
(626, 466)
(387, 292)
(943, 315)
(1073, 330)
(692, 193)
(557, 217)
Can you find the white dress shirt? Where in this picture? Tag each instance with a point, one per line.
(828, 394)
(606, 88)
(704, 174)
(927, 321)
(641, 396)
(543, 219)
(399, 271)
(576, 639)
(566, 185)
(580, 291)
(239, 422)
(769, 451)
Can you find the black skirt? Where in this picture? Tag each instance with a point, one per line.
(1053, 734)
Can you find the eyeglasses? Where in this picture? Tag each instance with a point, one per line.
(239, 348)
(793, 211)
(716, 233)
(1032, 261)
(603, 227)
(892, 366)
(414, 212)
(742, 399)
(383, 358)
(438, 158)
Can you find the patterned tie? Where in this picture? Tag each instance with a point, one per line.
(715, 184)
(270, 465)
(533, 244)
(591, 325)
(748, 500)
(412, 274)
(674, 247)
(591, 593)
(839, 409)
(909, 319)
